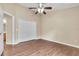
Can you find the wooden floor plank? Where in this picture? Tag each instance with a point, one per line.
(40, 48)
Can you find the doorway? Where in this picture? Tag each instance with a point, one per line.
(8, 26)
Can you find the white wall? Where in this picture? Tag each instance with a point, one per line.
(20, 12)
(26, 30)
(62, 26)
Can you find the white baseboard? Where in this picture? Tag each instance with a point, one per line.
(20, 40)
(25, 40)
(17, 42)
(61, 43)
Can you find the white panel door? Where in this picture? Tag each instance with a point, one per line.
(1, 32)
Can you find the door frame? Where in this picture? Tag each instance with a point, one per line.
(13, 25)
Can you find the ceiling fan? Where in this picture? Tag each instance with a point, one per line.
(41, 9)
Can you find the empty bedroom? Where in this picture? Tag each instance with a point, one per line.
(39, 29)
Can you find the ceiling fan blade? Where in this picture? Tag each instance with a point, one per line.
(32, 8)
(44, 12)
(48, 8)
(36, 12)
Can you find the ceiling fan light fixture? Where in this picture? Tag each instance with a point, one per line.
(40, 5)
(40, 10)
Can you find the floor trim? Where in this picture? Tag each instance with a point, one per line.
(62, 43)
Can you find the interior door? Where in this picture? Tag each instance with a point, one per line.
(1, 32)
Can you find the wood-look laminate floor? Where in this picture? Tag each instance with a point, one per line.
(40, 48)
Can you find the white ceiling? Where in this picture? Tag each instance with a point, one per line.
(56, 6)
